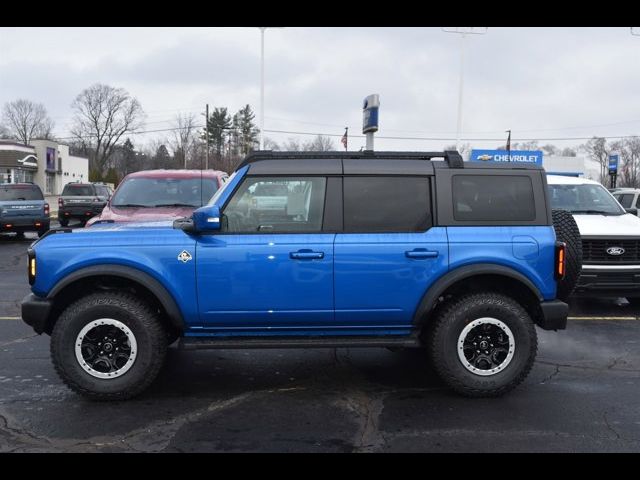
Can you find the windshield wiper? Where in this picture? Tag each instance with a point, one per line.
(595, 212)
(131, 205)
(175, 205)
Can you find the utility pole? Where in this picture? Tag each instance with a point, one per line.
(262, 29)
(206, 133)
(462, 31)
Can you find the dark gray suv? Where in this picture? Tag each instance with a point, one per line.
(82, 201)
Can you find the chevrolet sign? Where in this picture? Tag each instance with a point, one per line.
(522, 156)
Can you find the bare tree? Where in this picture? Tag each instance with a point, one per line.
(629, 168)
(597, 150)
(184, 138)
(103, 114)
(270, 144)
(26, 120)
(320, 144)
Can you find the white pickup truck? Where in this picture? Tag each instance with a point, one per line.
(610, 238)
(270, 196)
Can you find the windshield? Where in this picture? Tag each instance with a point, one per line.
(584, 199)
(20, 192)
(164, 192)
(77, 191)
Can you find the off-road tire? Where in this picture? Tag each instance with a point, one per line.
(63, 222)
(450, 321)
(567, 231)
(138, 316)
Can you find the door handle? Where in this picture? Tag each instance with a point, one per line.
(306, 255)
(421, 253)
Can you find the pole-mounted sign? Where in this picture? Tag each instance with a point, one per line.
(370, 118)
(614, 160)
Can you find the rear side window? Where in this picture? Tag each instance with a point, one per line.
(625, 199)
(77, 190)
(20, 192)
(387, 204)
(493, 198)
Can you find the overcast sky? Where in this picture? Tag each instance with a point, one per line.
(538, 82)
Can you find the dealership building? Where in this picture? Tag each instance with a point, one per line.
(46, 163)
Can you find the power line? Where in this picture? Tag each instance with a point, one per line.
(385, 137)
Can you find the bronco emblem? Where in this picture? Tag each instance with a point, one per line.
(184, 256)
(615, 250)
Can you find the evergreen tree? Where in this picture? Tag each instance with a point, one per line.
(218, 126)
(248, 130)
(162, 159)
(128, 158)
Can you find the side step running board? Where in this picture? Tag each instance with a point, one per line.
(197, 343)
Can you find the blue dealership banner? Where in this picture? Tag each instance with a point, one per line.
(614, 159)
(525, 156)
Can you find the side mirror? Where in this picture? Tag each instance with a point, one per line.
(632, 211)
(206, 219)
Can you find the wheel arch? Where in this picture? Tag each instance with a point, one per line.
(477, 277)
(80, 281)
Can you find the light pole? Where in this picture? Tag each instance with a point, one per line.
(262, 29)
(462, 31)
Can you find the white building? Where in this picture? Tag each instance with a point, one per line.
(46, 163)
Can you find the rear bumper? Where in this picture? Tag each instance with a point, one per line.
(35, 312)
(80, 212)
(605, 282)
(554, 315)
(30, 224)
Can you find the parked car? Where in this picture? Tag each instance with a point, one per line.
(610, 238)
(23, 209)
(81, 201)
(628, 197)
(372, 250)
(153, 195)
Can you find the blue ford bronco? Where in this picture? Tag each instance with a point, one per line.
(384, 249)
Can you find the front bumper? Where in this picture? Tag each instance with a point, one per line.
(554, 315)
(604, 281)
(35, 312)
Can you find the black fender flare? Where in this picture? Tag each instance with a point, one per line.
(434, 292)
(154, 286)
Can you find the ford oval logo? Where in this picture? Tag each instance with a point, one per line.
(615, 250)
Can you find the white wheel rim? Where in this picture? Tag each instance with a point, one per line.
(110, 355)
(488, 357)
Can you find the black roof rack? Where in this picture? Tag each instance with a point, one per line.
(452, 157)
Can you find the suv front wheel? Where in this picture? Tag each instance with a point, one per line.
(108, 346)
(482, 344)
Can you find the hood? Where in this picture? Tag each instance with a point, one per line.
(141, 214)
(626, 225)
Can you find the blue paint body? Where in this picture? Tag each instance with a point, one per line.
(297, 284)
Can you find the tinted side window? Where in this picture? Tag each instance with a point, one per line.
(493, 198)
(276, 204)
(625, 199)
(387, 204)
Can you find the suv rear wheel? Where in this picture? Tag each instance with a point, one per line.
(64, 222)
(108, 346)
(482, 344)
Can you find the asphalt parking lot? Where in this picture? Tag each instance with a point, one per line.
(581, 395)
